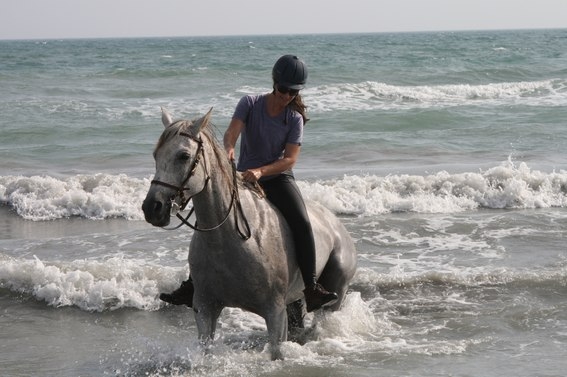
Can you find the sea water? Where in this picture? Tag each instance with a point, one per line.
(442, 153)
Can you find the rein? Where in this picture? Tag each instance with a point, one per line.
(180, 192)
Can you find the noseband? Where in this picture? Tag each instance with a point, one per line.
(180, 192)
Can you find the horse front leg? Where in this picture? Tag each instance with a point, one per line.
(276, 322)
(206, 319)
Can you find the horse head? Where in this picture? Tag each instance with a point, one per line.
(180, 168)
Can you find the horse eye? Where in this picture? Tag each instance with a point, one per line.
(183, 156)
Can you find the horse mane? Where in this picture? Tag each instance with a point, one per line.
(207, 132)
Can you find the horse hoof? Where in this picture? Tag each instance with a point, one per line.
(277, 355)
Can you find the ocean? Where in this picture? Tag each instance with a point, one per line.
(443, 153)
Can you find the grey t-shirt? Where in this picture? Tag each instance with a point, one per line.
(263, 138)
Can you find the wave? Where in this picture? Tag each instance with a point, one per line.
(118, 283)
(104, 196)
(372, 95)
(359, 96)
(506, 186)
(367, 280)
(97, 197)
(89, 284)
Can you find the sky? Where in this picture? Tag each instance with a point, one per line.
(56, 19)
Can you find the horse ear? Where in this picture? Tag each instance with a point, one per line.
(202, 122)
(166, 118)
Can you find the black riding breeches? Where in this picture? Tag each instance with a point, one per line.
(282, 192)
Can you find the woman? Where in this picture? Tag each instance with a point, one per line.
(271, 130)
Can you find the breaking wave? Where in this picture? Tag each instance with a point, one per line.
(103, 196)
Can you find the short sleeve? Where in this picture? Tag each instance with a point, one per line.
(243, 108)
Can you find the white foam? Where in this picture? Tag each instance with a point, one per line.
(89, 284)
(408, 275)
(103, 196)
(371, 95)
(98, 196)
(505, 186)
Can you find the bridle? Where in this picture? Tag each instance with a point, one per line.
(184, 200)
(180, 190)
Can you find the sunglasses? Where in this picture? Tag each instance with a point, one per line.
(286, 90)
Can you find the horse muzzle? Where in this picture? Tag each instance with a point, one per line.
(156, 212)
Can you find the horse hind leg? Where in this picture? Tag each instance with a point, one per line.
(335, 278)
(295, 315)
(296, 323)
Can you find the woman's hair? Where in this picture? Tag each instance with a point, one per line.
(297, 104)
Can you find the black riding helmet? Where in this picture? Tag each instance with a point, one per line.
(290, 72)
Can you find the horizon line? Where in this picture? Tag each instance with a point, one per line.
(282, 34)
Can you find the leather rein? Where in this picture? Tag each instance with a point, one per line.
(180, 192)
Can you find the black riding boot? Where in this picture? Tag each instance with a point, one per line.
(316, 297)
(181, 296)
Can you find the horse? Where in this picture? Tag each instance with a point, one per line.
(242, 252)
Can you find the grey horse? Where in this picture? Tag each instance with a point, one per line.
(241, 254)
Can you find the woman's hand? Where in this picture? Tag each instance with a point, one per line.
(230, 153)
(252, 175)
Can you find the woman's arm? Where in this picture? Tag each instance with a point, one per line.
(231, 136)
(291, 154)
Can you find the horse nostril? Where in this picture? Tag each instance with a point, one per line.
(151, 206)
